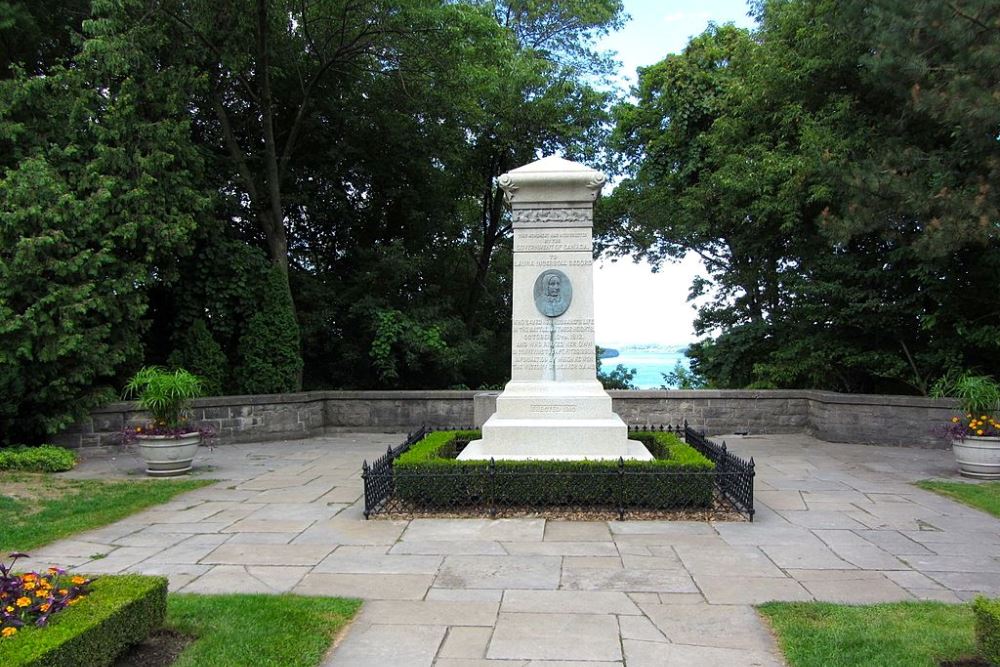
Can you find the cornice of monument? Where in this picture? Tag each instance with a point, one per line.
(552, 179)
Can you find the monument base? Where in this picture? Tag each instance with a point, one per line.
(567, 421)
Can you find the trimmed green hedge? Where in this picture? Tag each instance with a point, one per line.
(428, 475)
(47, 458)
(118, 612)
(988, 628)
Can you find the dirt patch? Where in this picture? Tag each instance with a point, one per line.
(966, 662)
(160, 649)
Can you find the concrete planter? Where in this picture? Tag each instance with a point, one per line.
(977, 456)
(167, 455)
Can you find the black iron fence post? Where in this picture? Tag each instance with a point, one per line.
(491, 478)
(621, 488)
(364, 478)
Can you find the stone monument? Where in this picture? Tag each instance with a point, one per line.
(553, 407)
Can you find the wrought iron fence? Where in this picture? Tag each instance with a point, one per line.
(502, 488)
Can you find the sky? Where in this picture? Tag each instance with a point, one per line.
(631, 303)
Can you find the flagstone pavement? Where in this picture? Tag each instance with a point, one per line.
(834, 522)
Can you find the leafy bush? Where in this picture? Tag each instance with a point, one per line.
(988, 628)
(119, 611)
(46, 458)
(428, 475)
(271, 361)
(198, 351)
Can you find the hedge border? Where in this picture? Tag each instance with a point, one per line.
(427, 475)
(987, 613)
(120, 610)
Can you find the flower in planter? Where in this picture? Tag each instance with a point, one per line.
(979, 397)
(32, 597)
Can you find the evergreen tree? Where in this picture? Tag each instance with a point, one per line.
(269, 350)
(198, 352)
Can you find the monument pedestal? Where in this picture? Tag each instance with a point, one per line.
(553, 407)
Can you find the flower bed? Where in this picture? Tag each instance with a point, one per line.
(31, 598)
(90, 623)
(428, 476)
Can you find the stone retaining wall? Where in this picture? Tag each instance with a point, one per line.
(868, 419)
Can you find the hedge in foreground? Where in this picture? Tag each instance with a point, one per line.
(118, 612)
(988, 628)
(429, 475)
(47, 458)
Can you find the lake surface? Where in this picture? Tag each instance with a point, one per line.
(649, 365)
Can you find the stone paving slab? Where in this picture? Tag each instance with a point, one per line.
(834, 522)
(534, 636)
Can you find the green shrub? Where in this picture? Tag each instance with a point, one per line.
(198, 352)
(119, 612)
(988, 628)
(271, 361)
(47, 458)
(429, 476)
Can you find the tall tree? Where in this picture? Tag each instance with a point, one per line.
(100, 193)
(816, 188)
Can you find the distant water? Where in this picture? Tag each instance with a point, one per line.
(649, 365)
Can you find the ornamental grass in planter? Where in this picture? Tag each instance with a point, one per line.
(168, 443)
(975, 434)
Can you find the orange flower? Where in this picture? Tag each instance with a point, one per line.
(23, 602)
(45, 607)
(954, 420)
(7, 632)
(77, 580)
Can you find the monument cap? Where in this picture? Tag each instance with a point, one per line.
(552, 179)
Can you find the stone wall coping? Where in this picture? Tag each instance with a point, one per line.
(435, 394)
(302, 397)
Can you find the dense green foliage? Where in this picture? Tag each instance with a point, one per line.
(251, 630)
(120, 611)
(429, 475)
(36, 509)
(898, 634)
(836, 170)
(198, 352)
(285, 194)
(156, 158)
(269, 350)
(987, 628)
(100, 188)
(46, 458)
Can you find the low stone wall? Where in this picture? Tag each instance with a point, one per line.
(289, 416)
(855, 418)
(868, 419)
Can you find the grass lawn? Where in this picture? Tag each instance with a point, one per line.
(38, 508)
(279, 630)
(984, 496)
(899, 634)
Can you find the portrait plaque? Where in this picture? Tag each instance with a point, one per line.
(553, 292)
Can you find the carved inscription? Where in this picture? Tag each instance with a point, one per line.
(553, 344)
(548, 261)
(553, 215)
(554, 240)
(553, 408)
